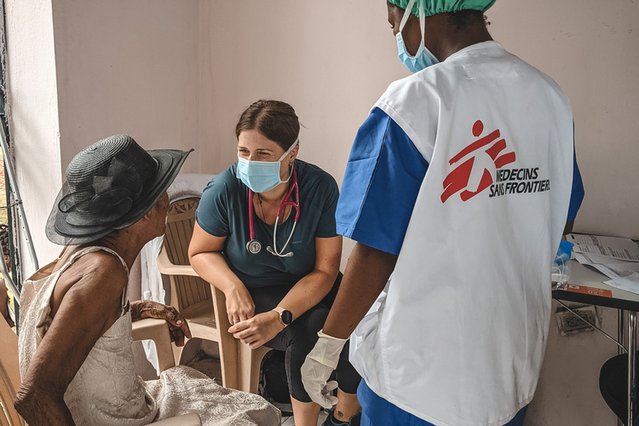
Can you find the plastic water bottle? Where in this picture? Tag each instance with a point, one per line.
(560, 266)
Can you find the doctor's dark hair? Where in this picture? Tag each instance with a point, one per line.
(274, 119)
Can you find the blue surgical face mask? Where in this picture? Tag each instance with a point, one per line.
(261, 176)
(423, 58)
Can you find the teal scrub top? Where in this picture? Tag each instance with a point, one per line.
(223, 212)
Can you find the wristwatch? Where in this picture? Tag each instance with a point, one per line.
(286, 317)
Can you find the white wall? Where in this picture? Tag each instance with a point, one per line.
(33, 115)
(83, 70)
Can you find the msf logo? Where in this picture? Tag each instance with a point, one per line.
(477, 164)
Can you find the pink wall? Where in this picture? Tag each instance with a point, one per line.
(127, 67)
(330, 60)
(176, 73)
(590, 48)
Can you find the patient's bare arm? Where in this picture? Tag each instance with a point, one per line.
(90, 303)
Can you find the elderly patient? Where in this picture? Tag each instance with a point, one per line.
(75, 341)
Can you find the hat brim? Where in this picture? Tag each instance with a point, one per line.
(60, 231)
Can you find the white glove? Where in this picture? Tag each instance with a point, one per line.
(317, 368)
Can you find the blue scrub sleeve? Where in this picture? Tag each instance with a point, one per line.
(383, 176)
(212, 212)
(577, 193)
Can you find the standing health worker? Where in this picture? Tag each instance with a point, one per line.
(459, 183)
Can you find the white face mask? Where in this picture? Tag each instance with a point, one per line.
(261, 176)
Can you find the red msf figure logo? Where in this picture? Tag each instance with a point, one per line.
(476, 173)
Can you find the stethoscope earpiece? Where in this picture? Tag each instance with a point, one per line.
(270, 250)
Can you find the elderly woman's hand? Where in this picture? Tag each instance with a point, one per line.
(178, 327)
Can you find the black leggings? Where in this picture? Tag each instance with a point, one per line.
(300, 336)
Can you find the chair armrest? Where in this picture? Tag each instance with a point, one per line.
(166, 267)
(9, 359)
(191, 419)
(9, 375)
(158, 331)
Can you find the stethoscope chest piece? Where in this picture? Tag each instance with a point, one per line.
(254, 246)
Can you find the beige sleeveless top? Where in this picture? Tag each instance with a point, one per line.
(106, 389)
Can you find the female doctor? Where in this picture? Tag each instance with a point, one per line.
(265, 236)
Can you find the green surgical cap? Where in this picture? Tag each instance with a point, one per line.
(433, 7)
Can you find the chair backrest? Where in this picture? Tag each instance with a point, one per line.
(9, 375)
(191, 291)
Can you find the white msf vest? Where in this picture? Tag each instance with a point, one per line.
(458, 336)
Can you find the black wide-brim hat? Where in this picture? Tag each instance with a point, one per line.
(110, 185)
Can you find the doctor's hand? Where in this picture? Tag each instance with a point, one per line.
(317, 368)
(239, 304)
(258, 330)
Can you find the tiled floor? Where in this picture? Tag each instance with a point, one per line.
(288, 421)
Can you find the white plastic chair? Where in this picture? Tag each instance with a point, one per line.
(202, 304)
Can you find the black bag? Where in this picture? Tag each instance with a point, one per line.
(273, 384)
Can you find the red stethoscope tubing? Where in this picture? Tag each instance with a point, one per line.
(283, 204)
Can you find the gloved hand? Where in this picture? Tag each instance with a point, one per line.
(319, 365)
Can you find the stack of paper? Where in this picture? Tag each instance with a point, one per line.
(617, 258)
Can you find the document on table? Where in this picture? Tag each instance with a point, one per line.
(610, 247)
(612, 268)
(613, 257)
(629, 283)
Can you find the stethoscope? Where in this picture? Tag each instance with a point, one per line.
(254, 246)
